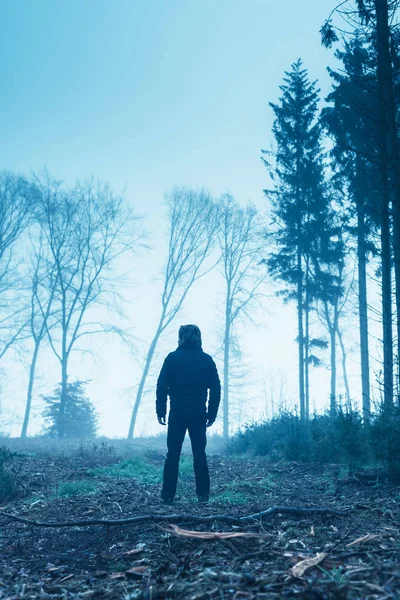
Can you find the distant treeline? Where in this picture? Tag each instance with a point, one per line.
(334, 197)
(332, 220)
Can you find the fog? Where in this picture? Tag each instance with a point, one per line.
(147, 96)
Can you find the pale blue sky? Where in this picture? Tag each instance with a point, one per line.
(147, 94)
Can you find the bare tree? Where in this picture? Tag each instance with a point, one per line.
(87, 229)
(244, 382)
(344, 370)
(239, 238)
(330, 310)
(274, 384)
(43, 286)
(16, 197)
(193, 220)
(14, 210)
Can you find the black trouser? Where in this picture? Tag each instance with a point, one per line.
(177, 427)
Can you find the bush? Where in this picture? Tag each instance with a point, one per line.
(283, 435)
(80, 419)
(96, 453)
(384, 433)
(323, 438)
(230, 495)
(339, 439)
(136, 468)
(7, 483)
(71, 489)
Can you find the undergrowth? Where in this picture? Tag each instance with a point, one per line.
(343, 438)
(71, 489)
(7, 480)
(142, 470)
(134, 468)
(230, 495)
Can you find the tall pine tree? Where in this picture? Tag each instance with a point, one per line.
(360, 155)
(377, 20)
(352, 127)
(299, 206)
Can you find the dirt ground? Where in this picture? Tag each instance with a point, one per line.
(355, 555)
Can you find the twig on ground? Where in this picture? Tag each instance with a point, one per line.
(273, 510)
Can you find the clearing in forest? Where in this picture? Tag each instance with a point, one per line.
(351, 551)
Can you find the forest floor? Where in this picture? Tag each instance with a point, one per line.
(354, 555)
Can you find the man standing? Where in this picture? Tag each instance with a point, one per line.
(186, 376)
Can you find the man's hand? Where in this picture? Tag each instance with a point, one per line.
(209, 423)
(161, 420)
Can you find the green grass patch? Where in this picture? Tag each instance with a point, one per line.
(132, 468)
(231, 495)
(267, 483)
(7, 479)
(71, 489)
(186, 466)
(144, 471)
(344, 471)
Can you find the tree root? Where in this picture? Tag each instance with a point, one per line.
(265, 514)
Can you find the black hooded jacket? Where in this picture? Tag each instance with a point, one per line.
(185, 377)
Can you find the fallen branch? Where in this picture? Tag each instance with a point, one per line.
(273, 510)
(303, 566)
(213, 535)
(287, 510)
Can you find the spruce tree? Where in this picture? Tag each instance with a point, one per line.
(352, 120)
(377, 20)
(80, 418)
(299, 206)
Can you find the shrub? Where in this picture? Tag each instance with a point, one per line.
(143, 470)
(7, 483)
(80, 419)
(97, 453)
(135, 468)
(384, 432)
(340, 438)
(324, 438)
(230, 495)
(71, 489)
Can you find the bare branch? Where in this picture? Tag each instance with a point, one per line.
(241, 247)
(193, 222)
(86, 228)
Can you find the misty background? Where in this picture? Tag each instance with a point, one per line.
(147, 95)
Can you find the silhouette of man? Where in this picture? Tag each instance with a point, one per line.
(186, 376)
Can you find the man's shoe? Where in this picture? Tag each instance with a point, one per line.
(202, 499)
(168, 501)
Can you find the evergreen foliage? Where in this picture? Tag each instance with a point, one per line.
(7, 481)
(343, 438)
(80, 417)
(303, 228)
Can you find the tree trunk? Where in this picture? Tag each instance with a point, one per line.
(333, 371)
(63, 398)
(387, 306)
(307, 344)
(301, 336)
(344, 369)
(227, 340)
(142, 383)
(390, 132)
(363, 308)
(385, 83)
(32, 370)
(64, 370)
